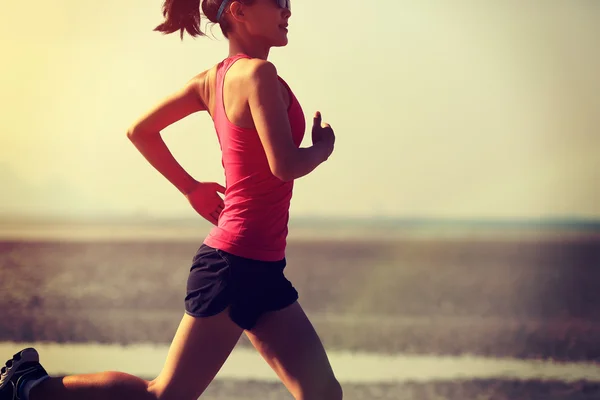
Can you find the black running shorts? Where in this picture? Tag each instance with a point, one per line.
(249, 288)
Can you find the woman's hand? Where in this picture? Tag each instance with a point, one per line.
(323, 134)
(205, 199)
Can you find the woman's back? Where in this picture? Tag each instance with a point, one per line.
(253, 223)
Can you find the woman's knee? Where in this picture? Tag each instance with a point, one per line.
(334, 390)
(166, 390)
(328, 390)
(154, 389)
(160, 391)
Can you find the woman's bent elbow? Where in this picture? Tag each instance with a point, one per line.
(283, 174)
(134, 134)
(131, 134)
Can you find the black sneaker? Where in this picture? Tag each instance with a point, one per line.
(24, 366)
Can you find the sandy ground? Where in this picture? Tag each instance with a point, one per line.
(527, 299)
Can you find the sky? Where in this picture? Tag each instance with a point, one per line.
(451, 109)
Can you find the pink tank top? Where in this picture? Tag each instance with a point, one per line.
(254, 222)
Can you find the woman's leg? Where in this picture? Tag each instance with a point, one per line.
(288, 342)
(197, 353)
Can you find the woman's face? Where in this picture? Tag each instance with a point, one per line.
(267, 21)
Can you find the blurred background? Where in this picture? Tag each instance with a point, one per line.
(458, 218)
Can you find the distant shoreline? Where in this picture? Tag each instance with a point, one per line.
(192, 230)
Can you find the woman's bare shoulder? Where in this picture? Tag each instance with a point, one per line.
(204, 82)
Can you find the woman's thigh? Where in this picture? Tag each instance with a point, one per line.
(287, 340)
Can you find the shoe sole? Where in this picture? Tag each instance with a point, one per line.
(22, 357)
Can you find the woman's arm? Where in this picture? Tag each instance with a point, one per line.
(145, 133)
(286, 161)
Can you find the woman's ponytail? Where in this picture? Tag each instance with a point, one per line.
(181, 15)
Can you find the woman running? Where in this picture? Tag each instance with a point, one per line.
(236, 282)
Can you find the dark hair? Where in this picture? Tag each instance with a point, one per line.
(184, 15)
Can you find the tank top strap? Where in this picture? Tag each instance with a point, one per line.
(221, 71)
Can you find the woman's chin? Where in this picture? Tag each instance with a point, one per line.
(281, 42)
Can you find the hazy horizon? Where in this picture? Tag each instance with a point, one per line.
(466, 109)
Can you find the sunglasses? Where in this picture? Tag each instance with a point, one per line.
(287, 4)
(284, 4)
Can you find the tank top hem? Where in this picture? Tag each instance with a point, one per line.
(243, 251)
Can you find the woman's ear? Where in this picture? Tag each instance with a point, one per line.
(236, 9)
